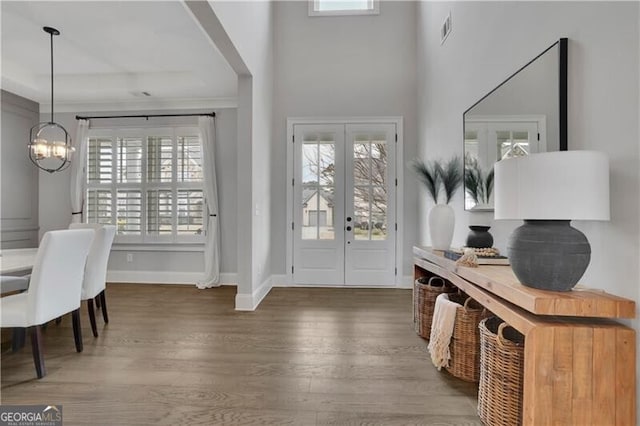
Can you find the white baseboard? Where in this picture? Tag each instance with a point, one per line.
(406, 282)
(249, 302)
(165, 277)
(280, 280)
(283, 281)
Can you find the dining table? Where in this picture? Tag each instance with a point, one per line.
(16, 263)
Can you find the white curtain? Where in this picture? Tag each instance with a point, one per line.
(78, 171)
(212, 246)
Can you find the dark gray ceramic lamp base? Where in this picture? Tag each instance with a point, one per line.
(548, 254)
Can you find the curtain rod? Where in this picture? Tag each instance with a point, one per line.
(147, 116)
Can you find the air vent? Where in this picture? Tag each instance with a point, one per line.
(141, 94)
(445, 30)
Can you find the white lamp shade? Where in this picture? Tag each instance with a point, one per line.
(559, 185)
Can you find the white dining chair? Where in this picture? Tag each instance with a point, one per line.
(95, 275)
(54, 289)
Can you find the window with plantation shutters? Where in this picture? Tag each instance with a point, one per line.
(147, 182)
(100, 160)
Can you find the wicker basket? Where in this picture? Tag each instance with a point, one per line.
(425, 291)
(501, 371)
(465, 341)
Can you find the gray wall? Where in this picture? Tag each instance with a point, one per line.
(18, 177)
(348, 66)
(148, 264)
(603, 104)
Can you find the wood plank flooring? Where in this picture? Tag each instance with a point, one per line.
(177, 355)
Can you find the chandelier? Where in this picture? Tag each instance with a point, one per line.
(49, 143)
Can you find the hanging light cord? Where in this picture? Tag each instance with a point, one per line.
(51, 34)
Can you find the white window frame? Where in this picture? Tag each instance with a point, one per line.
(314, 9)
(174, 132)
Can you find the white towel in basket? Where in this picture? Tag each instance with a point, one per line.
(444, 318)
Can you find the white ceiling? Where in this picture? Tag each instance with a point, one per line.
(109, 52)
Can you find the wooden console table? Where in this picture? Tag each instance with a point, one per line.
(580, 366)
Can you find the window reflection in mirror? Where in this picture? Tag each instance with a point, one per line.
(523, 115)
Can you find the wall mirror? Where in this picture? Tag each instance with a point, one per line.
(526, 113)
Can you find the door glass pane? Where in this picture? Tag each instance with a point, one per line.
(370, 187)
(325, 213)
(318, 188)
(361, 163)
(361, 213)
(379, 213)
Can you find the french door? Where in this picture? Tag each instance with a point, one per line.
(344, 204)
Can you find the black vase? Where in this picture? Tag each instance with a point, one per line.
(479, 237)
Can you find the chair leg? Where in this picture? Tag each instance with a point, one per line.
(103, 302)
(97, 299)
(92, 318)
(18, 338)
(77, 330)
(36, 347)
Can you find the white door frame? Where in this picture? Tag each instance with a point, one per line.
(398, 121)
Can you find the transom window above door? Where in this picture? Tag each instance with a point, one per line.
(346, 7)
(147, 182)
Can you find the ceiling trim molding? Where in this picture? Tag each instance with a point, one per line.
(147, 105)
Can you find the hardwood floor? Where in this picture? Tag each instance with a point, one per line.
(177, 355)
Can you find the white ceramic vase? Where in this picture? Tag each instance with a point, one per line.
(441, 223)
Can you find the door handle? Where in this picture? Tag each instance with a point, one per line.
(348, 218)
(348, 228)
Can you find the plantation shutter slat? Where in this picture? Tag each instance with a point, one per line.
(129, 160)
(99, 206)
(190, 212)
(99, 160)
(189, 159)
(159, 212)
(159, 159)
(129, 212)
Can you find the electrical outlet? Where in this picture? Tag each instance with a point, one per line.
(129, 257)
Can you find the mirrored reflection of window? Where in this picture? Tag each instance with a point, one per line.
(318, 189)
(513, 144)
